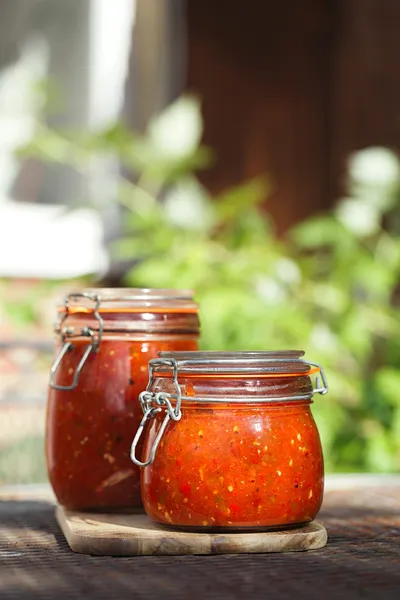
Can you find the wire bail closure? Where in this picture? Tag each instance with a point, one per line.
(320, 389)
(68, 332)
(153, 402)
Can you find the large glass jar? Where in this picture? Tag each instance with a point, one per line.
(230, 441)
(106, 338)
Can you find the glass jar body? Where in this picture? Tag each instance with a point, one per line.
(244, 466)
(89, 428)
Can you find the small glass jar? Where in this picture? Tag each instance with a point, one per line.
(231, 443)
(106, 338)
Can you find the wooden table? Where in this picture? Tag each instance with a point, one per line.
(362, 559)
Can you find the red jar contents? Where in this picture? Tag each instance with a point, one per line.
(246, 453)
(90, 427)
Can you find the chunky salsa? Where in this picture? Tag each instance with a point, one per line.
(89, 429)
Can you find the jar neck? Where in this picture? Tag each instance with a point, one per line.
(216, 389)
(164, 323)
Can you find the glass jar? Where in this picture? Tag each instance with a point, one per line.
(106, 338)
(231, 443)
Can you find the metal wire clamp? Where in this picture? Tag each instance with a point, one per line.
(67, 346)
(152, 404)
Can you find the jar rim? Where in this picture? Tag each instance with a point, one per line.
(130, 300)
(119, 294)
(240, 362)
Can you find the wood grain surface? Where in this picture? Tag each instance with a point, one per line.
(136, 535)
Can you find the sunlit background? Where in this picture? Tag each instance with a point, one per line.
(188, 145)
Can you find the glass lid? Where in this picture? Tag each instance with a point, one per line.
(274, 361)
(128, 300)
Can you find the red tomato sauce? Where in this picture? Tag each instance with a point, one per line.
(247, 466)
(89, 429)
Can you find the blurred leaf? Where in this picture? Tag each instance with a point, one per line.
(387, 381)
(379, 455)
(374, 165)
(187, 205)
(358, 217)
(176, 132)
(21, 313)
(317, 232)
(236, 201)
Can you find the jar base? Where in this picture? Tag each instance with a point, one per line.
(231, 528)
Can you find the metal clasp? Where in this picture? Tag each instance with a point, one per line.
(319, 389)
(68, 345)
(152, 404)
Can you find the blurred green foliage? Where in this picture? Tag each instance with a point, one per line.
(25, 310)
(23, 462)
(330, 287)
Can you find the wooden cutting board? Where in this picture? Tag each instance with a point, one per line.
(135, 535)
